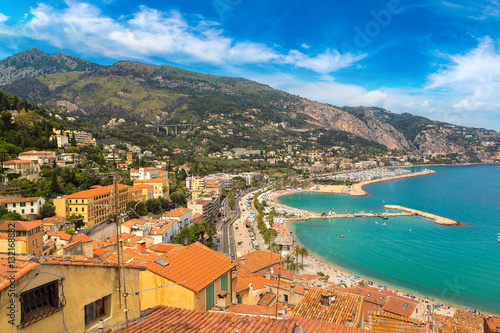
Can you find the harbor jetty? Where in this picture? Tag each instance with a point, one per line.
(357, 189)
(437, 219)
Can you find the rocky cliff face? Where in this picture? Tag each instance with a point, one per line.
(369, 128)
(33, 62)
(431, 142)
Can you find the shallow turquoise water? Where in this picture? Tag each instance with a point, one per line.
(457, 264)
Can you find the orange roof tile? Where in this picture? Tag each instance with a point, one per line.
(492, 322)
(124, 236)
(23, 264)
(17, 162)
(462, 322)
(176, 212)
(371, 295)
(252, 310)
(387, 322)
(20, 225)
(195, 264)
(61, 234)
(164, 248)
(169, 319)
(258, 260)
(80, 238)
(345, 309)
(37, 152)
(257, 280)
(95, 190)
(266, 298)
(8, 201)
(400, 305)
(102, 245)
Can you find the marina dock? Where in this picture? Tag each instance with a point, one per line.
(436, 218)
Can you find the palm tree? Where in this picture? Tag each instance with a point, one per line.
(288, 260)
(304, 252)
(296, 251)
(293, 267)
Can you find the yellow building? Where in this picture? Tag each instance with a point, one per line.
(143, 192)
(27, 235)
(63, 294)
(27, 169)
(95, 204)
(160, 186)
(205, 279)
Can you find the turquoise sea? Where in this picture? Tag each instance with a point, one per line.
(455, 264)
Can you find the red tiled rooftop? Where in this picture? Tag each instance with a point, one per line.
(252, 310)
(20, 225)
(266, 298)
(164, 248)
(82, 238)
(400, 305)
(345, 309)
(258, 260)
(169, 319)
(257, 281)
(61, 234)
(8, 201)
(390, 323)
(124, 236)
(95, 190)
(195, 264)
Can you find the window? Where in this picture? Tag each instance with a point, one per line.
(83, 209)
(32, 204)
(209, 297)
(32, 211)
(14, 205)
(95, 309)
(76, 209)
(223, 283)
(286, 298)
(22, 210)
(40, 302)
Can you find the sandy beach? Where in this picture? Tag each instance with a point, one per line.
(357, 189)
(328, 189)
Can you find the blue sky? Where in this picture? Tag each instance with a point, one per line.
(439, 59)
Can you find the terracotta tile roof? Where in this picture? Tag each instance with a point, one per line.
(299, 289)
(345, 309)
(371, 295)
(176, 212)
(257, 281)
(388, 322)
(400, 305)
(97, 190)
(156, 180)
(252, 310)
(102, 253)
(8, 201)
(23, 264)
(492, 322)
(53, 220)
(462, 322)
(164, 248)
(81, 238)
(258, 260)
(20, 225)
(61, 234)
(132, 222)
(17, 162)
(17, 268)
(169, 319)
(141, 186)
(132, 256)
(100, 244)
(195, 264)
(266, 298)
(124, 236)
(37, 152)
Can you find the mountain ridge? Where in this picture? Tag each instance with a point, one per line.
(157, 94)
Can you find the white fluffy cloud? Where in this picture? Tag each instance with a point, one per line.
(167, 35)
(3, 17)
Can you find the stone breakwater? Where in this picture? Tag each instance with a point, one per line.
(437, 219)
(357, 189)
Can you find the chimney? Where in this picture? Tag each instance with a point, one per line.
(141, 246)
(292, 288)
(222, 300)
(327, 299)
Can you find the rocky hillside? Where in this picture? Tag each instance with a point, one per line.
(134, 93)
(33, 62)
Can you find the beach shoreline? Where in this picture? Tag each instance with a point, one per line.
(358, 188)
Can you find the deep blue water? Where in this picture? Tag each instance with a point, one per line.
(456, 264)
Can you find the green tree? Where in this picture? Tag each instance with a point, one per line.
(54, 189)
(73, 140)
(47, 210)
(77, 221)
(12, 216)
(304, 252)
